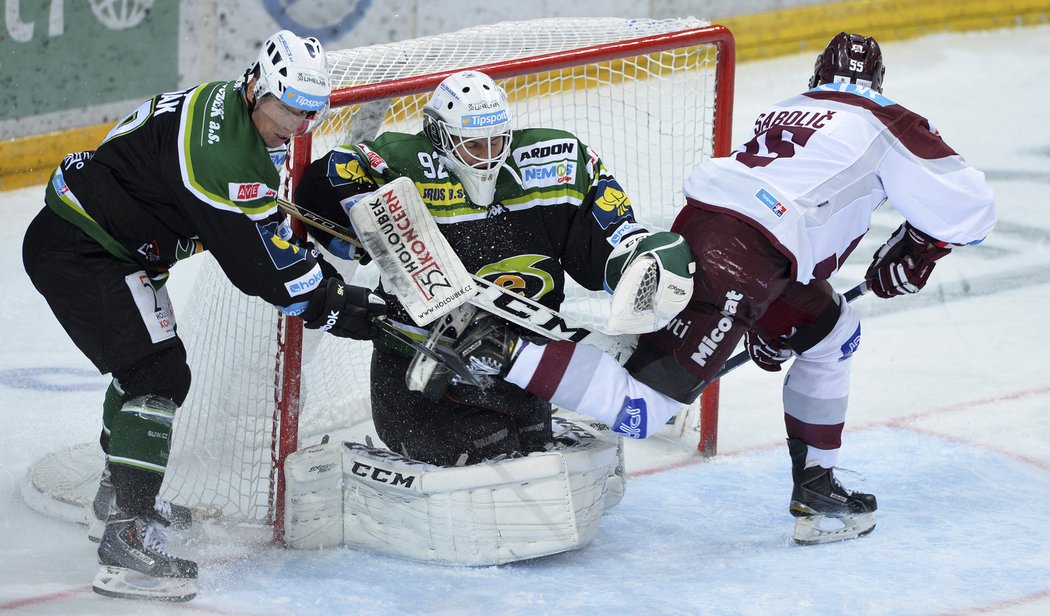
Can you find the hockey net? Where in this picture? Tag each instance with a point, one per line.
(653, 97)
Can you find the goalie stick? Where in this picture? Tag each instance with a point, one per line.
(742, 357)
(436, 282)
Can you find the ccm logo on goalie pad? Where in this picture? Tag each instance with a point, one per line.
(381, 475)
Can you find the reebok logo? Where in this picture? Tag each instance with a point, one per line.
(333, 318)
(710, 342)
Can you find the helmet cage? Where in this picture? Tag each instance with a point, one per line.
(470, 107)
(850, 58)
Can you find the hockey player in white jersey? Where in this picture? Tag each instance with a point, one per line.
(768, 225)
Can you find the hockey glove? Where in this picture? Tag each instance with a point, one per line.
(344, 310)
(651, 278)
(904, 263)
(768, 354)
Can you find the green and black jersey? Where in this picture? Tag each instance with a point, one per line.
(557, 210)
(188, 171)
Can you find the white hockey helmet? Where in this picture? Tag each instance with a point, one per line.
(295, 71)
(469, 109)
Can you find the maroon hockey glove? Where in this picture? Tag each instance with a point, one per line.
(904, 263)
(767, 354)
(344, 310)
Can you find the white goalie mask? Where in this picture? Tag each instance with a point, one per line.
(468, 121)
(295, 71)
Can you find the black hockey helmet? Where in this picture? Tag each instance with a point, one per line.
(850, 57)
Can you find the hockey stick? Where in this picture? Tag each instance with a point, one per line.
(742, 357)
(453, 286)
(440, 354)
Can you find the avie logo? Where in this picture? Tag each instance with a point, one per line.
(112, 15)
(301, 17)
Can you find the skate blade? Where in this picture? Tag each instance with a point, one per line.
(817, 529)
(126, 583)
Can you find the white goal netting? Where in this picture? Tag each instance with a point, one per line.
(649, 110)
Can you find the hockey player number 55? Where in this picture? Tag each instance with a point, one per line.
(776, 142)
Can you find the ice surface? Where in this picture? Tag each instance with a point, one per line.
(949, 426)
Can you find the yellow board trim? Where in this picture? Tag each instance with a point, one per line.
(809, 28)
(26, 161)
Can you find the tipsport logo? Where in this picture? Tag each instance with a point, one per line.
(774, 204)
(481, 120)
(302, 100)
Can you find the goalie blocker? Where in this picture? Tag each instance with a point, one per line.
(483, 514)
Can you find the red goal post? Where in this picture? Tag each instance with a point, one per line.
(652, 57)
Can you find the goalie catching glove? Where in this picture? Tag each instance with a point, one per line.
(651, 278)
(904, 263)
(344, 310)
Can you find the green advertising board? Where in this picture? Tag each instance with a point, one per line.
(57, 55)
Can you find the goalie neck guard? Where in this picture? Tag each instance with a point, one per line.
(468, 121)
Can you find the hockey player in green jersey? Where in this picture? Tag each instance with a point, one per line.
(522, 208)
(186, 171)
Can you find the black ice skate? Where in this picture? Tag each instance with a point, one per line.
(136, 564)
(179, 517)
(488, 346)
(824, 509)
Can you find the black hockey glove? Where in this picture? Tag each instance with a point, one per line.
(768, 354)
(344, 310)
(904, 263)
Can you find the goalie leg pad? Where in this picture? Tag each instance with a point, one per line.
(483, 514)
(573, 429)
(314, 497)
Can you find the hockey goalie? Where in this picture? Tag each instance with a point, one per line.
(478, 475)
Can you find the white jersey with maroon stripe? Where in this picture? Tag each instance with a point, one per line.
(821, 162)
